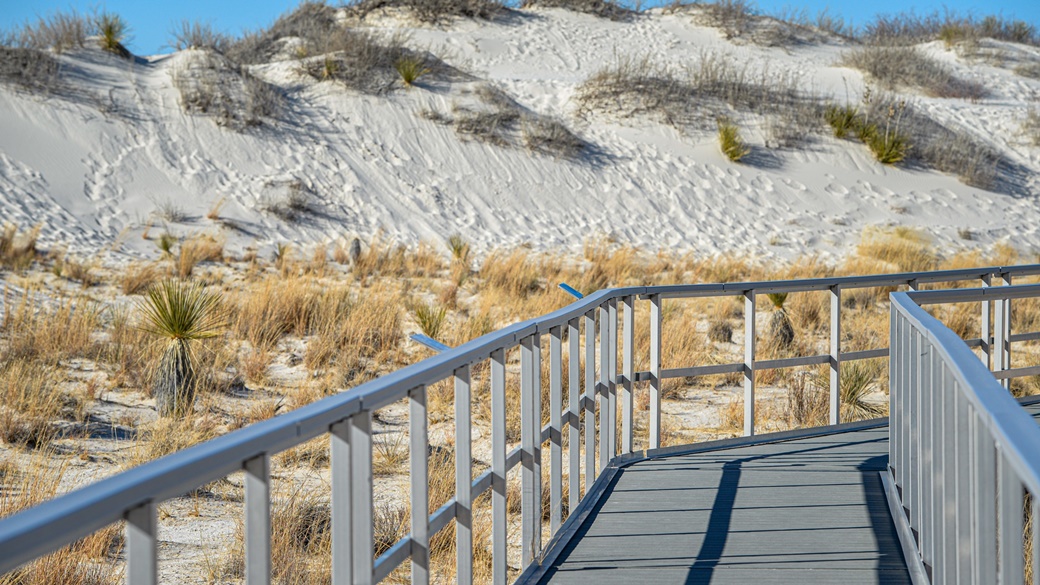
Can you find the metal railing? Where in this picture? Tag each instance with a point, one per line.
(588, 326)
(962, 451)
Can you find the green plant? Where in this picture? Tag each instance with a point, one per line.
(843, 120)
(781, 331)
(858, 379)
(459, 248)
(166, 242)
(181, 314)
(733, 146)
(411, 69)
(430, 319)
(112, 33)
(329, 68)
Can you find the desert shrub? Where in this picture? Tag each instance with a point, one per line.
(362, 63)
(720, 331)
(198, 35)
(550, 136)
(112, 33)
(1030, 70)
(908, 67)
(602, 8)
(17, 249)
(1031, 126)
(905, 29)
(842, 120)
(733, 17)
(710, 89)
(60, 32)
(211, 85)
(434, 11)
(312, 22)
(30, 69)
(732, 145)
(410, 69)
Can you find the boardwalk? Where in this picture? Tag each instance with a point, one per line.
(810, 510)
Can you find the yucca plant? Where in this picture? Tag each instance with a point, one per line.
(181, 314)
(329, 69)
(733, 146)
(842, 120)
(430, 319)
(780, 329)
(858, 379)
(410, 69)
(112, 32)
(459, 248)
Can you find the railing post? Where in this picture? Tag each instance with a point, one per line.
(536, 423)
(463, 478)
(1002, 345)
(361, 510)
(499, 519)
(612, 377)
(574, 390)
(835, 358)
(627, 402)
(555, 428)
(418, 436)
(749, 363)
(141, 552)
(655, 371)
(528, 427)
(987, 328)
(342, 542)
(258, 520)
(590, 399)
(605, 418)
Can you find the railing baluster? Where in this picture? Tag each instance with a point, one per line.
(985, 479)
(605, 417)
(655, 371)
(463, 478)
(361, 510)
(1010, 522)
(627, 402)
(574, 390)
(342, 542)
(590, 398)
(1002, 345)
(258, 520)
(962, 500)
(418, 437)
(555, 428)
(142, 567)
(1034, 515)
(749, 363)
(528, 426)
(499, 519)
(835, 359)
(536, 422)
(987, 328)
(612, 376)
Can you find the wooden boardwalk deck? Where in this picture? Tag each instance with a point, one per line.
(809, 510)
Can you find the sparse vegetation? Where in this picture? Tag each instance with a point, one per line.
(732, 145)
(434, 11)
(197, 35)
(59, 32)
(112, 33)
(29, 69)
(907, 67)
(410, 69)
(602, 8)
(209, 84)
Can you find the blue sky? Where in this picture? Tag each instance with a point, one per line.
(150, 22)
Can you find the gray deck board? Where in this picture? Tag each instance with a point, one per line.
(802, 511)
(805, 510)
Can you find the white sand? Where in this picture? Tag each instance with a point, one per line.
(93, 169)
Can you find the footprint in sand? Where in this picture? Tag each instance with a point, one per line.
(836, 189)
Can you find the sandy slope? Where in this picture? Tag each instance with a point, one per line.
(94, 167)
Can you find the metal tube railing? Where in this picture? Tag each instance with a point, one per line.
(962, 451)
(347, 418)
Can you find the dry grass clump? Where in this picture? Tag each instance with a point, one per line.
(904, 29)
(602, 8)
(136, 278)
(209, 84)
(434, 11)
(699, 96)
(515, 273)
(48, 333)
(741, 20)
(347, 327)
(29, 69)
(384, 259)
(550, 136)
(34, 399)
(17, 250)
(732, 145)
(198, 35)
(900, 249)
(1031, 126)
(365, 64)
(907, 67)
(204, 248)
(60, 31)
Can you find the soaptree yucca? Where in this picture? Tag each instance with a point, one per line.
(181, 314)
